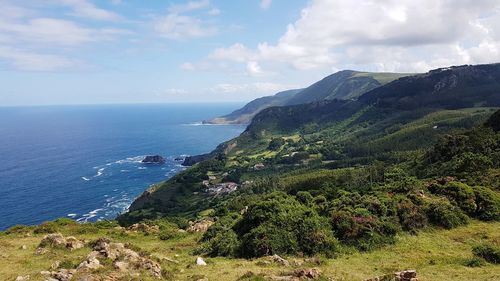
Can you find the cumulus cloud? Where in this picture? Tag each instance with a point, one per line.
(382, 35)
(178, 25)
(34, 42)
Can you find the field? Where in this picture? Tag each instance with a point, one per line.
(435, 254)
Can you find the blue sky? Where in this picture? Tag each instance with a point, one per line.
(124, 51)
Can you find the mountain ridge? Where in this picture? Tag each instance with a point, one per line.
(345, 84)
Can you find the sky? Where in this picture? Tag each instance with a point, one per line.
(160, 51)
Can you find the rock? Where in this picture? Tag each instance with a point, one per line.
(279, 260)
(63, 274)
(52, 240)
(45, 273)
(55, 265)
(72, 243)
(91, 263)
(121, 266)
(57, 240)
(41, 251)
(200, 261)
(23, 278)
(23, 247)
(145, 228)
(199, 226)
(123, 258)
(153, 159)
(406, 275)
(308, 273)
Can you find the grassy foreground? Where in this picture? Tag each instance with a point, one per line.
(435, 254)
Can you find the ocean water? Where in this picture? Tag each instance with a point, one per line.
(83, 162)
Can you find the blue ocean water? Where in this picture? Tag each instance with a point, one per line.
(83, 162)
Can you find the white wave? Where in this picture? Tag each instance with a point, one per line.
(99, 172)
(135, 159)
(141, 168)
(85, 179)
(71, 215)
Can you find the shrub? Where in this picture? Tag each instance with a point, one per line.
(279, 224)
(304, 197)
(268, 239)
(363, 231)
(18, 229)
(224, 243)
(275, 144)
(488, 204)
(168, 233)
(64, 222)
(460, 193)
(474, 262)
(46, 228)
(490, 253)
(411, 217)
(444, 214)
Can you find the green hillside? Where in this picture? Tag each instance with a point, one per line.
(344, 85)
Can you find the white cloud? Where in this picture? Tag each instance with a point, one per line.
(85, 9)
(254, 68)
(34, 42)
(237, 52)
(30, 61)
(174, 26)
(265, 4)
(47, 30)
(177, 25)
(257, 87)
(400, 35)
(173, 91)
(189, 6)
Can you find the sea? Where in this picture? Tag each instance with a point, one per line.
(84, 162)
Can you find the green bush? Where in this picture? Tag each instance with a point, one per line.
(460, 193)
(490, 253)
(275, 144)
(362, 231)
(411, 217)
(474, 262)
(64, 222)
(168, 233)
(18, 229)
(488, 204)
(224, 243)
(444, 214)
(46, 228)
(280, 224)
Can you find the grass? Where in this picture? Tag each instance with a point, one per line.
(435, 254)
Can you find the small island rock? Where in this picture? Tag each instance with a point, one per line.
(153, 159)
